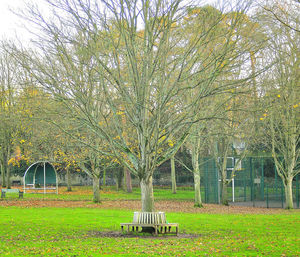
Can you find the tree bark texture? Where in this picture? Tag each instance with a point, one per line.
(128, 180)
(96, 190)
(119, 180)
(289, 193)
(173, 175)
(8, 182)
(224, 194)
(69, 187)
(104, 178)
(3, 176)
(287, 175)
(147, 195)
(196, 171)
(198, 200)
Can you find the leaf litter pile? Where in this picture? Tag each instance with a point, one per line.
(135, 205)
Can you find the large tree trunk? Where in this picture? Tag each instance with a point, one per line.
(147, 195)
(287, 180)
(288, 185)
(8, 182)
(173, 175)
(69, 187)
(3, 175)
(223, 168)
(96, 189)
(104, 178)
(198, 200)
(119, 180)
(128, 180)
(224, 194)
(196, 171)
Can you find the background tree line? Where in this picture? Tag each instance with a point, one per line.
(129, 83)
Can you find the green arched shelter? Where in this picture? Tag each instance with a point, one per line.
(41, 177)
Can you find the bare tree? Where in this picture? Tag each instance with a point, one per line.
(285, 12)
(104, 58)
(8, 111)
(280, 116)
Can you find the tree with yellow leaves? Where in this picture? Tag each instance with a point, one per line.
(280, 117)
(10, 123)
(141, 65)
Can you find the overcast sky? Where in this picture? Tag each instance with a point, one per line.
(11, 26)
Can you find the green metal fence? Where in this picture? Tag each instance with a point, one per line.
(256, 183)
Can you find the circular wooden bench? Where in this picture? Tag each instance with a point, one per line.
(155, 220)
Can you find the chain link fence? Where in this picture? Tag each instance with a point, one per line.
(256, 183)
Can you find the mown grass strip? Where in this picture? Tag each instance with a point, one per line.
(109, 193)
(77, 232)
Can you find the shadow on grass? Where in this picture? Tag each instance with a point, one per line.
(119, 234)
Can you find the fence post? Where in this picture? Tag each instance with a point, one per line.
(267, 196)
(232, 186)
(217, 190)
(262, 184)
(282, 195)
(206, 180)
(251, 178)
(297, 190)
(276, 182)
(245, 183)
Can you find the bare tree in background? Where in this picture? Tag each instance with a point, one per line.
(280, 116)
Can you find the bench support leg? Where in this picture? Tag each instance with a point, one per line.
(153, 229)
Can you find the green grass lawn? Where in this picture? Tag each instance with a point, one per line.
(75, 232)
